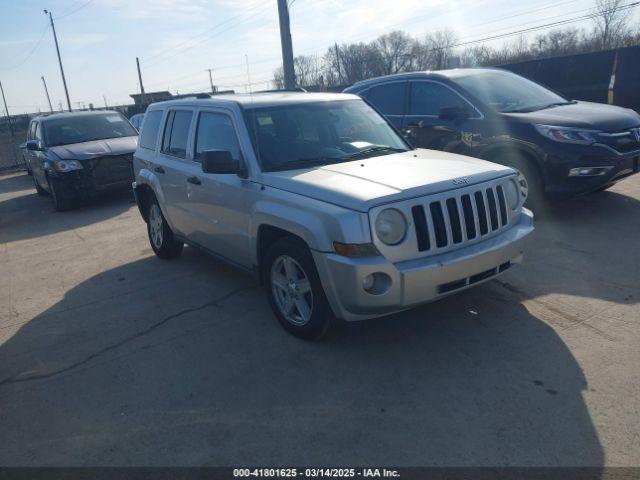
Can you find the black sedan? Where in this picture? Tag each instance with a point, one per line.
(73, 156)
(561, 147)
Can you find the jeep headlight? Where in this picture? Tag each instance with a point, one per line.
(569, 135)
(512, 193)
(391, 226)
(66, 165)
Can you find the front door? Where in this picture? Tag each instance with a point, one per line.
(434, 118)
(220, 203)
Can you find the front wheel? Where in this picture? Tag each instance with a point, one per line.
(162, 239)
(60, 203)
(530, 182)
(294, 290)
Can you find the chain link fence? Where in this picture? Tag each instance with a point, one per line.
(11, 136)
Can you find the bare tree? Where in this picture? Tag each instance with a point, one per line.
(394, 50)
(441, 45)
(611, 23)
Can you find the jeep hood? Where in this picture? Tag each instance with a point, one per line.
(96, 148)
(362, 184)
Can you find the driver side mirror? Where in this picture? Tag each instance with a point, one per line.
(33, 145)
(220, 162)
(453, 113)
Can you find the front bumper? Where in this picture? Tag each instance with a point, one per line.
(417, 281)
(560, 185)
(85, 183)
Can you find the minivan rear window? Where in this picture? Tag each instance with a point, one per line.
(150, 128)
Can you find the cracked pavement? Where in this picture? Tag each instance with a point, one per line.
(110, 356)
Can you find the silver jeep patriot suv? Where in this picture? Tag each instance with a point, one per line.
(325, 202)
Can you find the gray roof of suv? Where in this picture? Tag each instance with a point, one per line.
(258, 99)
(452, 73)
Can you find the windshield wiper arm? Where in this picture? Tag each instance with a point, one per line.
(308, 162)
(377, 148)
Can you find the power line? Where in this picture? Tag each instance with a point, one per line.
(169, 53)
(32, 51)
(73, 10)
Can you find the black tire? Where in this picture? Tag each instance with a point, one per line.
(59, 203)
(161, 237)
(39, 190)
(321, 318)
(530, 175)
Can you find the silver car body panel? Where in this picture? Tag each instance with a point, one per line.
(323, 205)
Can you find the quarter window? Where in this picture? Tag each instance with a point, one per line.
(389, 98)
(176, 133)
(427, 98)
(150, 129)
(215, 132)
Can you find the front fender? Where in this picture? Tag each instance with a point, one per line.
(318, 223)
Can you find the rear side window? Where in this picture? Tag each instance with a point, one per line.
(216, 132)
(427, 98)
(150, 129)
(389, 98)
(176, 133)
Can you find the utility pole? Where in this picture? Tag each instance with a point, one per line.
(287, 49)
(105, 101)
(338, 63)
(6, 110)
(144, 96)
(213, 89)
(47, 92)
(246, 59)
(55, 38)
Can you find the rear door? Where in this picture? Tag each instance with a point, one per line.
(424, 125)
(390, 99)
(172, 169)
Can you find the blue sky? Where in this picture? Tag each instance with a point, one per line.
(178, 40)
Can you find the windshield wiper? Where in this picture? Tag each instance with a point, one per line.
(307, 162)
(376, 148)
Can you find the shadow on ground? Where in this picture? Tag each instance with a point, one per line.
(24, 214)
(181, 363)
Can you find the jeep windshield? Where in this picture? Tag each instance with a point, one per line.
(86, 128)
(305, 135)
(509, 93)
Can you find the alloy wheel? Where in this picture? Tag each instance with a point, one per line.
(291, 290)
(155, 225)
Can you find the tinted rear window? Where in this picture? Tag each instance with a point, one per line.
(389, 98)
(150, 128)
(176, 134)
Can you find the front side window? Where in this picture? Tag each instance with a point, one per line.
(32, 131)
(66, 130)
(37, 134)
(150, 129)
(508, 92)
(320, 133)
(427, 98)
(389, 98)
(176, 133)
(216, 132)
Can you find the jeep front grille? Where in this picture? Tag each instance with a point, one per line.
(468, 215)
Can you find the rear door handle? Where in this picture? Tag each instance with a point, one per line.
(159, 169)
(194, 180)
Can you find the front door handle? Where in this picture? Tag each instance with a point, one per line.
(159, 169)
(194, 180)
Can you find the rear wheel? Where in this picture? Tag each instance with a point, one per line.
(162, 239)
(294, 290)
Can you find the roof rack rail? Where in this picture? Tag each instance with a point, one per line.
(278, 90)
(203, 95)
